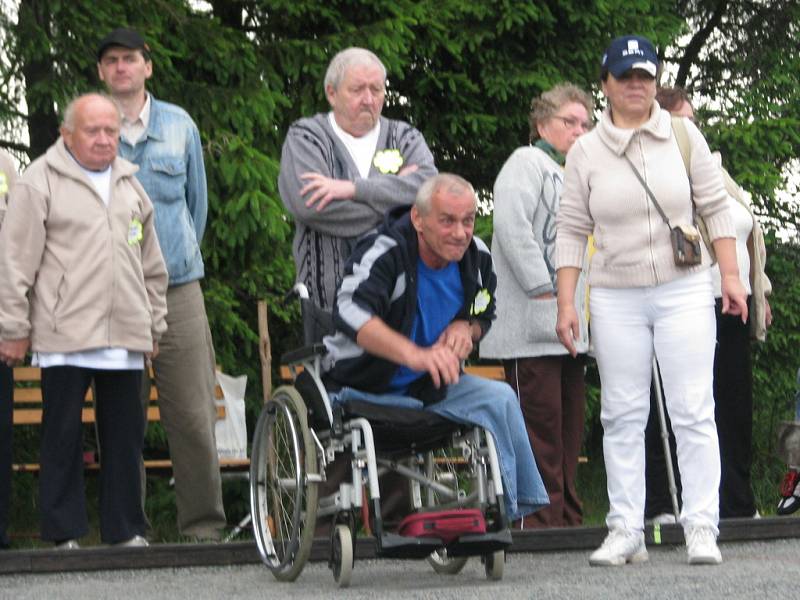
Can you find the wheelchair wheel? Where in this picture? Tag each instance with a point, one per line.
(444, 469)
(283, 502)
(342, 555)
(494, 564)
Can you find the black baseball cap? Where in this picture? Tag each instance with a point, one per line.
(127, 38)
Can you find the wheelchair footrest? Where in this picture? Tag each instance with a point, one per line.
(479, 544)
(392, 545)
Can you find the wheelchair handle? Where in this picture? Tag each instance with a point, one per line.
(298, 290)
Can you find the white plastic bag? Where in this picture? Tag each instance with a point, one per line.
(231, 432)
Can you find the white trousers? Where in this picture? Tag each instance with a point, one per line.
(675, 319)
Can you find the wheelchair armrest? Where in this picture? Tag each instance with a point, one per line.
(301, 354)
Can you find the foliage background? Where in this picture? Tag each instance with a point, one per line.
(463, 72)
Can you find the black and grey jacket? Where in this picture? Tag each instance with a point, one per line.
(381, 280)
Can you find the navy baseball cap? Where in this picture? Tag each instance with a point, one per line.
(630, 52)
(127, 38)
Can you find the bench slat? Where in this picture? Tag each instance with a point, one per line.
(28, 411)
(489, 371)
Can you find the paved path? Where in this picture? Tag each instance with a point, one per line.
(760, 569)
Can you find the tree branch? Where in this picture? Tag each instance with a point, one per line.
(699, 39)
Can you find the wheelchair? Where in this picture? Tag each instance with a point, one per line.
(446, 466)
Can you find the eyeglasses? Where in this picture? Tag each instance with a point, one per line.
(572, 123)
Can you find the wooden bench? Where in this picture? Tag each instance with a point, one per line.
(495, 372)
(28, 411)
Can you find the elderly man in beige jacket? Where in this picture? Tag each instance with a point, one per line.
(83, 283)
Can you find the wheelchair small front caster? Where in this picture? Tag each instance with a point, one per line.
(341, 561)
(444, 564)
(494, 564)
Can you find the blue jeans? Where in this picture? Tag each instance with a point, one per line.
(492, 405)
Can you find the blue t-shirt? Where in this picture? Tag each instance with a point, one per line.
(440, 295)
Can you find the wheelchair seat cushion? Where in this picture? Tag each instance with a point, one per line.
(398, 430)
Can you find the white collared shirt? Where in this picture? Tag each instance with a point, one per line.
(131, 131)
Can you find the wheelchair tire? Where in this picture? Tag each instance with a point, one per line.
(342, 555)
(494, 565)
(283, 501)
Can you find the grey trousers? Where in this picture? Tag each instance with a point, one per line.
(184, 376)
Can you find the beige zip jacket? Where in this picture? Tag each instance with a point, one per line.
(602, 197)
(74, 274)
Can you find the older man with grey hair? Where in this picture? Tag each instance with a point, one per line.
(342, 170)
(84, 286)
(416, 296)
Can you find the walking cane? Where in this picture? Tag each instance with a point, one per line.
(662, 421)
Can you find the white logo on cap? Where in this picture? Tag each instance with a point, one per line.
(633, 48)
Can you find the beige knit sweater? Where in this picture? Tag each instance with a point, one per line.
(602, 197)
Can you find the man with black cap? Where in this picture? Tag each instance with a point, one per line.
(164, 142)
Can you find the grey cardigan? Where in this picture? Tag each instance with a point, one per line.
(526, 199)
(324, 239)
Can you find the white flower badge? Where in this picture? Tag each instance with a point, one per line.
(481, 302)
(388, 161)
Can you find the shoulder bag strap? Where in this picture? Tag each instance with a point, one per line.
(685, 147)
(647, 189)
(682, 137)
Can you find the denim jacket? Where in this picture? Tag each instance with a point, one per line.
(171, 170)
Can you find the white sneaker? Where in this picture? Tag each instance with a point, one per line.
(136, 541)
(663, 519)
(620, 546)
(701, 546)
(68, 545)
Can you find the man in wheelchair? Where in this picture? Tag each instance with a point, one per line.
(416, 295)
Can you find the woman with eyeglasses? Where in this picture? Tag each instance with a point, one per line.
(626, 184)
(548, 381)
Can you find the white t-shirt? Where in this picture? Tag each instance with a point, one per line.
(361, 149)
(743, 223)
(98, 358)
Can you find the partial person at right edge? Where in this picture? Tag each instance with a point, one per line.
(733, 369)
(341, 171)
(8, 175)
(549, 382)
(164, 142)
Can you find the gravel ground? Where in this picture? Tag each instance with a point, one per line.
(763, 570)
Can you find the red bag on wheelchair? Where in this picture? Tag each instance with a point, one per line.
(447, 525)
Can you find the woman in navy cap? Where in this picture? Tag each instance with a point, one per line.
(651, 293)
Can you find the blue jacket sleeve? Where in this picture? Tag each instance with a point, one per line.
(196, 186)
